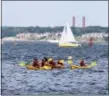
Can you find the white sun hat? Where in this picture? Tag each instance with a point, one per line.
(70, 57)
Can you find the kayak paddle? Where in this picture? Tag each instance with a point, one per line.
(22, 64)
(93, 64)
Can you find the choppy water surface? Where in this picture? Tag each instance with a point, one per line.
(18, 80)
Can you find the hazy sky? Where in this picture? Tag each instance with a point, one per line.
(54, 13)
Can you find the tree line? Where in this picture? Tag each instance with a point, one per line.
(77, 31)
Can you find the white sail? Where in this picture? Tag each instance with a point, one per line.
(70, 37)
(63, 37)
(67, 35)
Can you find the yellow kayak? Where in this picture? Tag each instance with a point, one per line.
(77, 67)
(84, 67)
(47, 67)
(59, 67)
(30, 67)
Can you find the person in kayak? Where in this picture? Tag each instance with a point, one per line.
(36, 63)
(82, 63)
(51, 62)
(70, 60)
(44, 61)
(60, 63)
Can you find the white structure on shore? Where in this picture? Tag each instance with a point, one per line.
(55, 36)
(37, 35)
(95, 35)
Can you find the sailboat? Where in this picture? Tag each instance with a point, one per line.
(67, 38)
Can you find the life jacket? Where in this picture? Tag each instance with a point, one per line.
(82, 63)
(59, 63)
(42, 63)
(35, 63)
(52, 64)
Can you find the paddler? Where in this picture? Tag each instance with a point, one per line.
(60, 63)
(44, 61)
(70, 60)
(51, 62)
(82, 63)
(36, 63)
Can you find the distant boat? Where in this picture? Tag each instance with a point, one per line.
(67, 38)
(52, 41)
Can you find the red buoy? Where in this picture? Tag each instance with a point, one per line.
(90, 41)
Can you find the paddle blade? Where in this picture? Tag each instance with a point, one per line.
(22, 64)
(93, 64)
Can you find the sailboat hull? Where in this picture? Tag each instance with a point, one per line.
(69, 45)
(67, 38)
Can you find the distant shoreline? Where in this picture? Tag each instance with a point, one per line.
(14, 39)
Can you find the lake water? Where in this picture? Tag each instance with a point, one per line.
(18, 80)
